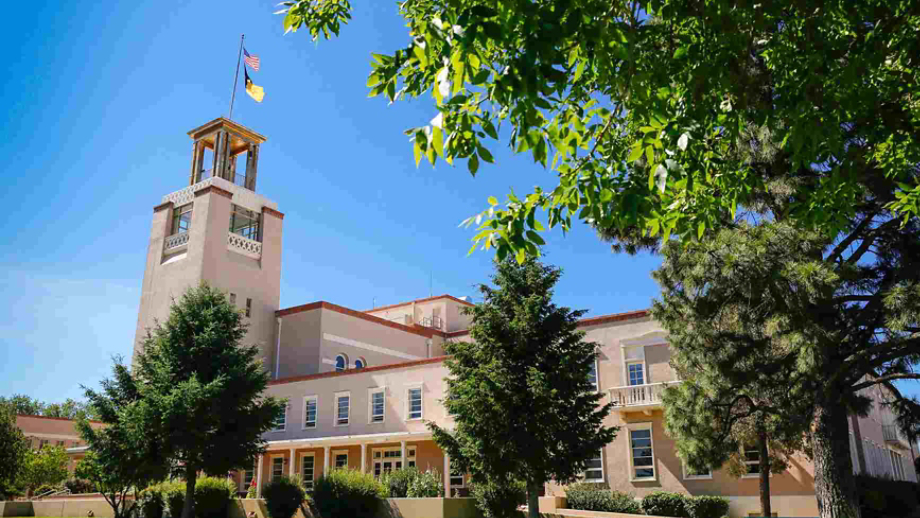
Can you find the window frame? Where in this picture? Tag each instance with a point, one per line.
(421, 414)
(371, 392)
(305, 423)
(335, 363)
(177, 213)
(303, 477)
(283, 427)
(244, 485)
(335, 453)
(271, 472)
(363, 362)
(595, 373)
(641, 364)
(248, 307)
(336, 418)
(457, 475)
(602, 470)
(629, 451)
(748, 463)
(243, 212)
(688, 476)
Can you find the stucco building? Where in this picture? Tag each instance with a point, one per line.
(361, 385)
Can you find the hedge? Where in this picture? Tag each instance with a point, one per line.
(599, 497)
(284, 496)
(662, 503)
(347, 492)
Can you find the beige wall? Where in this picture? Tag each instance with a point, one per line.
(51, 429)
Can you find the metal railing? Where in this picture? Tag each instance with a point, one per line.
(639, 395)
(891, 432)
(433, 322)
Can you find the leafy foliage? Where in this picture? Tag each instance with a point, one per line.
(412, 483)
(427, 484)
(663, 503)
(152, 501)
(213, 496)
(204, 388)
(599, 497)
(522, 403)
(13, 452)
(78, 486)
(44, 467)
(69, 409)
(284, 496)
(499, 498)
(639, 107)
(397, 481)
(707, 506)
(886, 498)
(347, 492)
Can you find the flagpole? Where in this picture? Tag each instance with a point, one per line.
(236, 76)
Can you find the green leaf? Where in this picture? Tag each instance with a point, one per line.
(650, 154)
(420, 54)
(635, 152)
(533, 236)
(493, 201)
(473, 164)
(417, 151)
(521, 255)
(701, 229)
(437, 140)
(485, 154)
(680, 52)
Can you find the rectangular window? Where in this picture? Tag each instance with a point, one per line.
(308, 464)
(414, 403)
(182, 219)
(594, 471)
(246, 223)
(42, 443)
(642, 455)
(752, 460)
(410, 456)
(248, 307)
(248, 475)
(277, 467)
(690, 474)
(342, 407)
(636, 373)
(309, 412)
(457, 480)
(377, 410)
(281, 421)
(592, 374)
(341, 459)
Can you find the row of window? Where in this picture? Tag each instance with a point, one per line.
(376, 408)
(244, 222)
(341, 363)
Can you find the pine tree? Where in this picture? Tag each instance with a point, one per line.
(519, 393)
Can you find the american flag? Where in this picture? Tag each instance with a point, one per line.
(252, 61)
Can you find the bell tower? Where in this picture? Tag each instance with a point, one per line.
(220, 231)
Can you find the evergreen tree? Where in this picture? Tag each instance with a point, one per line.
(204, 388)
(13, 451)
(519, 392)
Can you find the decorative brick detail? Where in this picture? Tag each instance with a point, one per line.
(273, 212)
(350, 372)
(216, 190)
(163, 206)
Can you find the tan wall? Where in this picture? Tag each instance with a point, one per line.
(609, 338)
(301, 337)
(335, 326)
(54, 430)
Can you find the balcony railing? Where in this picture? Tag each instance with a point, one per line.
(243, 245)
(891, 432)
(175, 241)
(639, 395)
(432, 322)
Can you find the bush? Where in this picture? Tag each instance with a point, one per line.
(599, 497)
(662, 503)
(283, 497)
(346, 492)
(427, 484)
(397, 481)
(252, 491)
(174, 497)
(707, 506)
(888, 498)
(499, 499)
(213, 496)
(150, 501)
(79, 487)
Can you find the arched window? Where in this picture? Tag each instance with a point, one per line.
(360, 363)
(341, 363)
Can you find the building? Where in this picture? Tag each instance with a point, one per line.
(41, 431)
(362, 384)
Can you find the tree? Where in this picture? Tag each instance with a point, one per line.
(837, 314)
(637, 105)
(520, 394)
(22, 404)
(25, 405)
(125, 455)
(204, 388)
(13, 452)
(44, 467)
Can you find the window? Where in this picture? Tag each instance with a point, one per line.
(410, 456)
(245, 222)
(42, 443)
(246, 481)
(641, 453)
(281, 421)
(594, 471)
(752, 460)
(636, 373)
(691, 474)
(414, 403)
(342, 407)
(360, 363)
(457, 480)
(388, 459)
(233, 299)
(377, 401)
(182, 219)
(341, 459)
(277, 467)
(309, 412)
(308, 465)
(341, 363)
(592, 374)
(248, 307)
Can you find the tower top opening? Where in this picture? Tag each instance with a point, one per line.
(225, 140)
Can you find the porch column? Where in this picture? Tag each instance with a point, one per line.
(293, 462)
(325, 460)
(446, 475)
(363, 458)
(259, 477)
(402, 454)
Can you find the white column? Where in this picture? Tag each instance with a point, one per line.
(363, 457)
(446, 475)
(325, 460)
(293, 462)
(259, 478)
(402, 454)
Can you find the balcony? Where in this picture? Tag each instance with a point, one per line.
(175, 242)
(892, 434)
(432, 322)
(636, 398)
(245, 246)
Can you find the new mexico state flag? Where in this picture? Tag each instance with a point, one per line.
(256, 92)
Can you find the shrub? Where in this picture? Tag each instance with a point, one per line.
(174, 497)
(707, 506)
(426, 484)
(397, 481)
(79, 487)
(883, 497)
(599, 497)
(283, 497)
(346, 492)
(150, 501)
(213, 496)
(662, 503)
(252, 491)
(499, 499)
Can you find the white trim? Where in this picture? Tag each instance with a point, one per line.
(603, 471)
(303, 424)
(629, 451)
(370, 405)
(271, 465)
(344, 357)
(369, 347)
(683, 468)
(335, 453)
(335, 408)
(421, 388)
(304, 455)
(348, 439)
(52, 436)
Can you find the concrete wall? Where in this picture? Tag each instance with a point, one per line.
(16, 509)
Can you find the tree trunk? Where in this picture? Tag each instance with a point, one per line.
(835, 487)
(533, 500)
(765, 507)
(188, 509)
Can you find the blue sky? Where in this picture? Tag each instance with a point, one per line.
(98, 99)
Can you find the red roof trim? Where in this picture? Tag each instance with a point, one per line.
(349, 372)
(417, 301)
(55, 418)
(421, 331)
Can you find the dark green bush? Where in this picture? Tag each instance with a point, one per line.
(174, 497)
(283, 497)
(599, 497)
(499, 499)
(886, 498)
(427, 484)
(79, 487)
(397, 481)
(150, 502)
(663, 503)
(213, 496)
(346, 492)
(706, 506)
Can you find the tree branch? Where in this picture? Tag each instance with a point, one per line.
(882, 379)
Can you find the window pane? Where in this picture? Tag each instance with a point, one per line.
(643, 459)
(245, 222)
(310, 414)
(415, 403)
(342, 413)
(377, 407)
(307, 473)
(340, 363)
(592, 374)
(636, 374)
